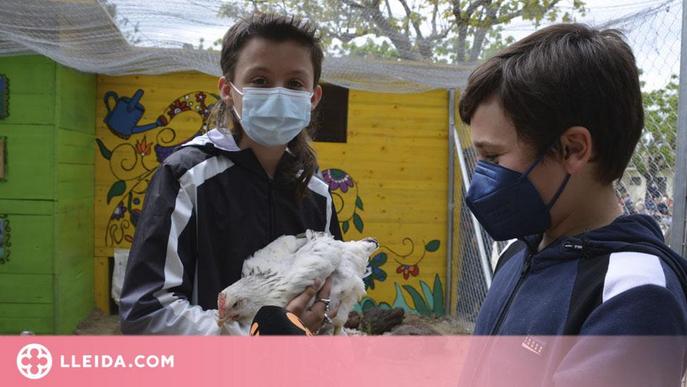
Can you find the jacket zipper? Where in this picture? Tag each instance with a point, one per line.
(270, 207)
(504, 310)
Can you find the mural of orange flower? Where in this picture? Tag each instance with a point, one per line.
(143, 147)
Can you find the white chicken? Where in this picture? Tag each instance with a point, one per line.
(284, 268)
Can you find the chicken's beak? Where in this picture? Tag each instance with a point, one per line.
(374, 241)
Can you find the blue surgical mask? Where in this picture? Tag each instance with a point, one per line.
(506, 202)
(273, 116)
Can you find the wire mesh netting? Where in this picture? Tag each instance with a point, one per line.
(647, 185)
(119, 37)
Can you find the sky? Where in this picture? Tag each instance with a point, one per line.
(655, 39)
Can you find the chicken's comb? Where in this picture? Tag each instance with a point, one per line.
(221, 300)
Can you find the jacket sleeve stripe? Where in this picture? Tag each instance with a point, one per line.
(628, 270)
(321, 188)
(177, 315)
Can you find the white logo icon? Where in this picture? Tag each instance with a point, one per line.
(34, 361)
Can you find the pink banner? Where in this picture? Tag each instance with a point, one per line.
(228, 361)
(340, 361)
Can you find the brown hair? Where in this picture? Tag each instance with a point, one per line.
(276, 28)
(562, 76)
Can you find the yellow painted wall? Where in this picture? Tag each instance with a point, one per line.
(396, 159)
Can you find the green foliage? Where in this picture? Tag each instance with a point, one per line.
(655, 151)
(448, 31)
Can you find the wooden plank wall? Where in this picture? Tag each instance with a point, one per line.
(74, 189)
(397, 154)
(395, 158)
(133, 160)
(47, 196)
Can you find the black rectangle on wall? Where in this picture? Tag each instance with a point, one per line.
(331, 121)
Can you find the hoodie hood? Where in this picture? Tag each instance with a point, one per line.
(220, 141)
(217, 138)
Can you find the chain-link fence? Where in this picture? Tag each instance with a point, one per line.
(647, 185)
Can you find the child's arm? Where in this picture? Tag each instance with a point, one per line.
(636, 338)
(159, 279)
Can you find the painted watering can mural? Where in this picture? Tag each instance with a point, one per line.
(123, 114)
(132, 163)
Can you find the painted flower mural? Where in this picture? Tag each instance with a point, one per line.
(143, 147)
(347, 201)
(407, 269)
(426, 300)
(134, 161)
(375, 271)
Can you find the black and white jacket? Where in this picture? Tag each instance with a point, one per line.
(209, 206)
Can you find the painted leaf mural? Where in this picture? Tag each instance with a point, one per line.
(346, 197)
(142, 147)
(426, 300)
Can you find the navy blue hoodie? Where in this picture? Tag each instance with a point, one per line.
(616, 280)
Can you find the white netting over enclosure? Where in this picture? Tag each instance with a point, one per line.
(156, 37)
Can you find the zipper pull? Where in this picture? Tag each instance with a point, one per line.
(573, 245)
(526, 266)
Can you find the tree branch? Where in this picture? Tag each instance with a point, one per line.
(401, 41)
(409, 14)
(510, 16)
(353, 4)
(434, 17)
(481, 31)
(462, 20)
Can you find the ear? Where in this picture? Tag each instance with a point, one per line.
(225, 91)
(316, 96)
(577, 148)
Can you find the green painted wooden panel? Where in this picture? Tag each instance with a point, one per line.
(75, 181)
(32, 89)
(29, 74)
(74, 298)
(26, 288)
(51, 262)
(26, 207)
(30, 156)
(74, 239)
(75, 147)
(31, 245)
(29, 109)
(15, 318)
(76, 99)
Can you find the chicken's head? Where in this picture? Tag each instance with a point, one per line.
(237, 303)
(364, 247)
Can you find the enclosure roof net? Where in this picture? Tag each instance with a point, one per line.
(81, 34)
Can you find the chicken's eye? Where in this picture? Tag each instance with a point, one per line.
(235, 304)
